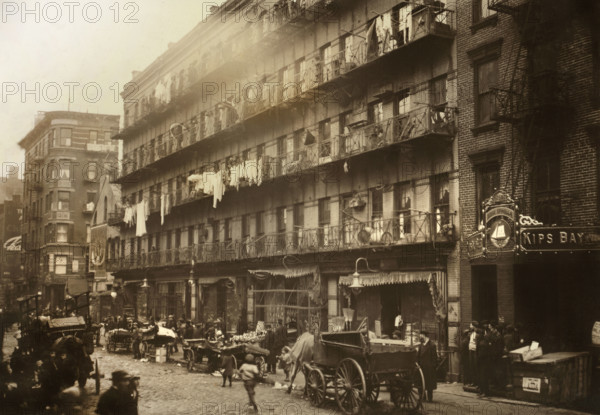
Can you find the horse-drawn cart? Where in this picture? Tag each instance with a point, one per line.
(194, 351)
(351, 368)
(155, 337)
(119, 338)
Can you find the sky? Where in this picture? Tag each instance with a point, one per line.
(77, 55)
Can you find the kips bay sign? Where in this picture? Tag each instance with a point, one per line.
(559, 238)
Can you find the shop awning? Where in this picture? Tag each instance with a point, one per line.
(288, 272)
(387, 278)
(213, 280)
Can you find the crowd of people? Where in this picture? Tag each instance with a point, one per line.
(484, 355)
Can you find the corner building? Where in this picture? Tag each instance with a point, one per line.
(273, 146)
(528, 158)
(65, 155)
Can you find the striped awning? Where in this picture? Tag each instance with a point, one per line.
(387, 278)
(288, 272)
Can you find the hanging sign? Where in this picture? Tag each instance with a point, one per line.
(499, 214)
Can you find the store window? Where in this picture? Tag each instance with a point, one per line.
(547, 189)
(486, 78)
(488, 181)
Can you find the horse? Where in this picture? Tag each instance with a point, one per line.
(301, 354)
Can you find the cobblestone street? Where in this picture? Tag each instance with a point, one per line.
(170, 389)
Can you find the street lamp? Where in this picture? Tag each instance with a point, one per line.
(357, 286)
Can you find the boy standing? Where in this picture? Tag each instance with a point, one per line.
(249, 374)
(227, 366)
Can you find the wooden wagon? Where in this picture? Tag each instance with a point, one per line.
(119, 338)
(195, 350)
(351, 368)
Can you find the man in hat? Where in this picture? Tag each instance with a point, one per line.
(472, 369)
(428, 362)
(119, 399)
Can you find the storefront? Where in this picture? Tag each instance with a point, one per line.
(222, 299)
(541, 279)
(289, 294)
(418, 296)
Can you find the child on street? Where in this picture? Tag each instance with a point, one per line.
(249, 374)
(227, 364)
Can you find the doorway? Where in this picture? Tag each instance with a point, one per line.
(484, 292)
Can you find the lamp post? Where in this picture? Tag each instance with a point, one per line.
(356, 288)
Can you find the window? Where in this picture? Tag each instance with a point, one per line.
(227, 229)
(65, 137)
(486, 78)
(93, 137)
(190, 235)
(215, 231)
(245, 226)
(403, 194)
(91, 197)
(437, 89)
(298, 223)
(481, 10)
(488, 181)
(260, 223)
(403, 102)
(64, 200)
(60, 264)
(324, 221)
(375, 112)
(49, 197)
(440, 186)
(324, 138)
(377, 214)
(62, 233)
(547, 189)
(88, 233)
(281, 219)
(65, 169)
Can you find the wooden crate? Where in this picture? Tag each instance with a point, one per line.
(563, 378)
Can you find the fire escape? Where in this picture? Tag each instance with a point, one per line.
(532, 95)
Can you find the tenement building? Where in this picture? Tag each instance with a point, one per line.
(65, 154)
(276, 150)
(529, 167)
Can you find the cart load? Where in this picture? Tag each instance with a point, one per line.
(350, 367)
(119, 338)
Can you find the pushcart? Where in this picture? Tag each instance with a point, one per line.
(156, 337)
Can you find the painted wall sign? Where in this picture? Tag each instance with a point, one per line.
(554, 238)
(475, 245)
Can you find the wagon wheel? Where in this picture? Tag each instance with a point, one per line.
(350, 386)
(97, 377)
(316, 387)
(261, 364)
(406, 391)
(191, 360)
(372, 388)
(143, 349)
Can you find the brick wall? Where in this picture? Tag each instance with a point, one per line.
(572, 52)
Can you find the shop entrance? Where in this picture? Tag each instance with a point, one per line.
(484, 292)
